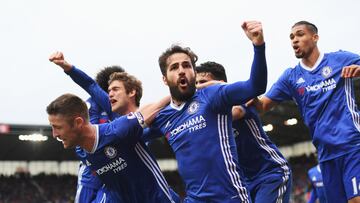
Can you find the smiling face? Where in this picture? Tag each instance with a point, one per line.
(303, 41)
(64, 131)
(180, 77)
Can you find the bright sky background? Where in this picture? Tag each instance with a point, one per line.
(93, 34)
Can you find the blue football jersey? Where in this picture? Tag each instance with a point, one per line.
(326, 102)
(123, 163)
(200, 134)
(96, 113)
(86, 177)
(88, 183)
(316, 179)
(99, 97)
(258, 155)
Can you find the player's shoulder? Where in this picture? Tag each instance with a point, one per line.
(81, 153)
(292, 69)
(166, 113)
(169, 109)
(341, 54)
(204, 93)
(290, 72)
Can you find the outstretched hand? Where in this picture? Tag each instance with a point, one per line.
(58, 59)
(254, 31)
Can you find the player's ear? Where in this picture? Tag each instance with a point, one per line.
(132, 93)
(164, 80)
(78, 121)
(316, 37)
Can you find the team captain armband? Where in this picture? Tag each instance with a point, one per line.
(141, 119)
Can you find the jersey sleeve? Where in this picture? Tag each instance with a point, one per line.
(348, 58)
(93, 89)
(125, 128)
(280, 91)
(242, 91)
(94, 111)
(150, 133)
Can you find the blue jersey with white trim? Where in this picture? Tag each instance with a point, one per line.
(202, 140)
(318, 192)
(124, 164)
(326, 102)
(85, 176)
(258, 155)
(96, 113)
(200, 134)
(99, 97)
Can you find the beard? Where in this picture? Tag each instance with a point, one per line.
(180, 96)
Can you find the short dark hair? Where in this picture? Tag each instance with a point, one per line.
(69, 106)
(309, 25)
(103, 76)
(216, 69)
(173, 50)
(130, 83)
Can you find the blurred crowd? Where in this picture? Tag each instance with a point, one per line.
(23, 188)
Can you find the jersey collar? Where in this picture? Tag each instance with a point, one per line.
(177, 107)
(96, 139)
(320, 58)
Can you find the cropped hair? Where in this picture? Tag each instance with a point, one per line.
(130, 83)
(216, 70)
(309, 25)
(173, 50)
(69, 106)
(102, 77)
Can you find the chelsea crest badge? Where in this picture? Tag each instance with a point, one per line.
(326, 71)
(193, 107)
(110, 152)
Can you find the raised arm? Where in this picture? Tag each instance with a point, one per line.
(100, 96)
(254, 31)
(84, 81)
(258, 76)
(58, 59)
(242, 91)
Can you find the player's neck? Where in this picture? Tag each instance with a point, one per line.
(176, 102)
(312, 58)
(88, 137)
(131, 108)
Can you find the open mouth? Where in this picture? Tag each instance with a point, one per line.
(296, 48)
(112, 101)
(58, 139)
(183, 82)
